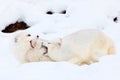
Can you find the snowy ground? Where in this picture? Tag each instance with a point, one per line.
(81, 14)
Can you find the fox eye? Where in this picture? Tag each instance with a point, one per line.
(28, 35)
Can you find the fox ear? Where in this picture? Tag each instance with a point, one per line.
(60, 42)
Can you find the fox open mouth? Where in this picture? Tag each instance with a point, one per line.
(31, 44)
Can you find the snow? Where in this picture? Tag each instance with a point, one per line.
(81, 14)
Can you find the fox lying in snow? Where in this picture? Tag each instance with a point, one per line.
(82, 47)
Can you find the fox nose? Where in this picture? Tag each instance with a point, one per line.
(37, 36)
